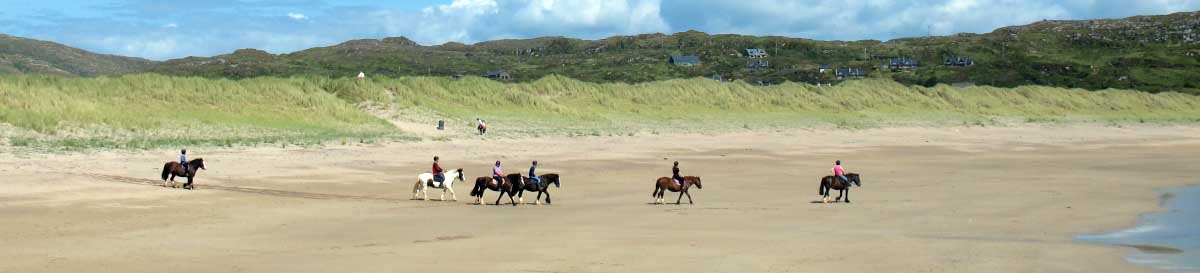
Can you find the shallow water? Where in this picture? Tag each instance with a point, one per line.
(1168, 239)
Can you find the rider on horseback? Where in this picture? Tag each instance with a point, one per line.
(437, 171)
(497, 173)
(183, 160)
(839, 172)
(675, 174)
(533, 178)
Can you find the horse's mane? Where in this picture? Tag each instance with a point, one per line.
(198, 159)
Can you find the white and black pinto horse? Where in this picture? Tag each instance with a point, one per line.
(425, 181)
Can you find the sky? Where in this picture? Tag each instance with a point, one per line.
(167, 29)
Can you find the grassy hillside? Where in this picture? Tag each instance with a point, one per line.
(152, 110)
(1149, 53)
(137, 111)
(28, 56)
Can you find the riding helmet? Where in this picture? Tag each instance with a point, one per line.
(497, 162)
(535, 162)
(839, 162)
(435, 158)
(676, 163)
(184, 151)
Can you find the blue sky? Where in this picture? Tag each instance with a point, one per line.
(165, 29)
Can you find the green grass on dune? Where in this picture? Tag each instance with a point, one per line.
(152, 111)
(567, 104)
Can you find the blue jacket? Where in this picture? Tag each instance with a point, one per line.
(531, 174)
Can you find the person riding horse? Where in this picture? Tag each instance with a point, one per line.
(497, 173)
(533, 178)
(438, 175)
(183, 159)
(675, 174)
(839, 172)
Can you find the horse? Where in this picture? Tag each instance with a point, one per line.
(425, 181)
(540, 188)
(832, 182)
(482, 129)
(174, 169)
(663, 184)
(504, 186)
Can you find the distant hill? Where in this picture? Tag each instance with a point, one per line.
(27, 56)
(1150, 53)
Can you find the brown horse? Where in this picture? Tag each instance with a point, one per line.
(832, 182)
(540, 188)
(664, 184)
(484, 183)
(174, 169)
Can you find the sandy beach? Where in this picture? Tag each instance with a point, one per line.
(957, 199)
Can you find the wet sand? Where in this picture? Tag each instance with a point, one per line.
(933, 200)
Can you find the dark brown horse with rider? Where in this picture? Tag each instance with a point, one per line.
(504, 186)
(174, 169)
(664, 184)
(830, 182)
(540, 188)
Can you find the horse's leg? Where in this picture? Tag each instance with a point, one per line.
(847, 194)
(452, 196)
(511, 200)
(499, 196)
(840, 193)
(689, 197)
(681, 192)
(418, 189)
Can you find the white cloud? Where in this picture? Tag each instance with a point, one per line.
(297, 16)
(170, 25)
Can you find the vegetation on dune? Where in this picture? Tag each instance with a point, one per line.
(153, 110)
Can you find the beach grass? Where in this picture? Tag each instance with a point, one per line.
(148, 110)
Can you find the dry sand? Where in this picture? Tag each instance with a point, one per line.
(933, 200)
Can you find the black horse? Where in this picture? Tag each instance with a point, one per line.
(174, 169)
(504, 186)
(540, 188)
(832, 182)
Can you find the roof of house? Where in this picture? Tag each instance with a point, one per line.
(903, 61)
(692, 59)
(756, 52)
(496, 73)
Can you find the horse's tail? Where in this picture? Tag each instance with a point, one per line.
(476, 191)
(821, 190)
(166, 171)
